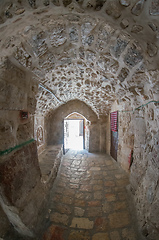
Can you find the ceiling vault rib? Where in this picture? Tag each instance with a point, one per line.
(51, 93)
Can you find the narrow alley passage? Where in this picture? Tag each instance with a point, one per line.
(89, 200)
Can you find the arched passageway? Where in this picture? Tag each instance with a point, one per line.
(93, 57)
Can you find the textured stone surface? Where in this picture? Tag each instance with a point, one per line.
(102, 236)
(113, 9)
(54, 232)
(32, 3)
(124, 23)
(136, 28)
(95, 219)
(123, 74)
(133, 56)
(138, 7)
(154, 9)
(79, 235)
(59, 218)
(23, 190)
(83, 223)
(118, 220)
(125, 3)
(151, 49)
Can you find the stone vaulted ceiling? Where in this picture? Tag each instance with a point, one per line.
(93, 51)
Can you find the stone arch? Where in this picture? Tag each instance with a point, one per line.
(55, 119)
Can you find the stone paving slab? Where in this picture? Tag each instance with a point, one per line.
(89, 200)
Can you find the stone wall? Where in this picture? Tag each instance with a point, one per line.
(17, 93)
(22, 193)
(145, 169)
(138, 131)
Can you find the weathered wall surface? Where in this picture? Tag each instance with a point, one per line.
(4, 223)
(145, 169)
(138, 131)
(22, 191)
(17, 92)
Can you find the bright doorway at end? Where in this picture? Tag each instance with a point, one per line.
(73, 134)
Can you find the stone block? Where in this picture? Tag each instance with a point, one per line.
(123, 74)
(133, 56)
(66, 2)
(79, 211)
(101, 224)
(59, 218)
(32, 3)
(56, 2)
(101, 236)
(54, 232)
(136, 28)
(124, 23)
(83, 223)
(154, 9)
(119, 47)
(125, 3)
(73, 33)
(128, 234)
(138, 7)
(113, 9)
(152, 49)
(115, 235)
(119, 219)
(79, 235)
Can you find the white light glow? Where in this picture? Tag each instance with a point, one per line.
(72, 137)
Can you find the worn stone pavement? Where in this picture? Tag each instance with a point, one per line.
(89, 201)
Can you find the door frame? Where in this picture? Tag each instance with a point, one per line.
(67, 119)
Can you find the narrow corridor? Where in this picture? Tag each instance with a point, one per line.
(89, 200)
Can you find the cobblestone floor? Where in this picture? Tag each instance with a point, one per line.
(89, 200)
